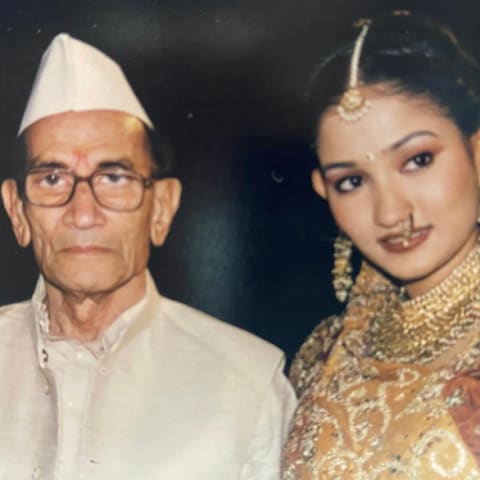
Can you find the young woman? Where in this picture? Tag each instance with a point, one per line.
(389, 389)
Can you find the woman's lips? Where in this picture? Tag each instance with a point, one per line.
(397, 243)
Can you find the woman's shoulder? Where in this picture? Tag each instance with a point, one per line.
(311, 356)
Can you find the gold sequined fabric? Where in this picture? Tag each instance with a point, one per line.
(365, 418)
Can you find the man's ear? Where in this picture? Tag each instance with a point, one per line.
(167, 194)
(13, 205)
(318, 183)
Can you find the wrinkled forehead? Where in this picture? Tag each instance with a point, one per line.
(88, 136)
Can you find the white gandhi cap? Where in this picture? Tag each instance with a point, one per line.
(74, 76)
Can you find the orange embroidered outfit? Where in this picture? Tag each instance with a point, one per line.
(390, 389)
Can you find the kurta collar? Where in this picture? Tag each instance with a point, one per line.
(131, 320)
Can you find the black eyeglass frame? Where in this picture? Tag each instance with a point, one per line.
(145, 182)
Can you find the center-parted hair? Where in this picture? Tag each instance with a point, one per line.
(412, 55)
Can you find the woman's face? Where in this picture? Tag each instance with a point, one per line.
(402, 160)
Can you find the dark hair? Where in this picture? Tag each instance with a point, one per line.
(412, 55)
(161, 151)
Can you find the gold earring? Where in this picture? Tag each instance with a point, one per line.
(478, 215)
(342, 269)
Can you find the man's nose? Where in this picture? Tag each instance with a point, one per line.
(83, 210)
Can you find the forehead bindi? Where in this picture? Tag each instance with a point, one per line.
(394, 122)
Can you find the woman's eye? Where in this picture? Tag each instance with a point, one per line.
(348, 184)
(421, 160)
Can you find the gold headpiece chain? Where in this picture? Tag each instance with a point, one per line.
(353, 105)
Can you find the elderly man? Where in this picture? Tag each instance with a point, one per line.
(103, 378)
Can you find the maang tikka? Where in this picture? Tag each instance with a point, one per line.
(353, 105)
(342, 268)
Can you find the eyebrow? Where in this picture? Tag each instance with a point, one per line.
(395, 146)
(411, 136)
(332, 166)
(124, 163)
(36, 163)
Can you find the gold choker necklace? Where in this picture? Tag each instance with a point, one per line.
(421, 329)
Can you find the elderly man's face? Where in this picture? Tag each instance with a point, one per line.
(82, 247)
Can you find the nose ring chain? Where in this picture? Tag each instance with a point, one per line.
(406, 227)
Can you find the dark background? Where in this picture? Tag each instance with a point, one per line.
(225, 80)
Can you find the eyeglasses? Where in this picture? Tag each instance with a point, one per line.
(113, 188)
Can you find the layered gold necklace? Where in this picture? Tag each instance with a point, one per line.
(421, 329)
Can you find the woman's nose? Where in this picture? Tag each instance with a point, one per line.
(391, 206)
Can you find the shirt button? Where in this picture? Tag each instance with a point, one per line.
(70, 404)
(44, 356)
(36, 472)
(79, 355)
(103, 370)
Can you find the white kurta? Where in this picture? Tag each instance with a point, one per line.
(167, 393)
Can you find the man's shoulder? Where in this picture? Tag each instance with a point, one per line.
(227, 341)
(19, 312)
(16, 324)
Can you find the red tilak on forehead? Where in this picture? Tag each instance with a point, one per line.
(80, 157)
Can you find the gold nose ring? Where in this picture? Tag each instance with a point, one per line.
(406, 227)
